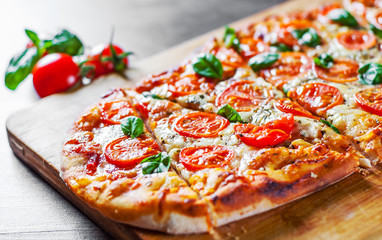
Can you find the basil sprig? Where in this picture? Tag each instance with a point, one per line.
(324, 60)
(342, 17)
(370, 74)
(330, 125)
(230, 113)
(377, 32)
(156, 164)
(281, 47)
(22, 64)
(307, 36)
(208, 66)
(152, 95)
(230, 39)
(132, 126)
(263, 60)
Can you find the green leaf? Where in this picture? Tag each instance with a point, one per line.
(370, 74)
(20, 67)
(230, 113)
(230, 39)
(208, 66)
(376, 31)
(132, 126)
(33, 37)
(342, 17)
(152, 95)
(324, 60)
(64, 42)
(330, 125)
(281, 47)
(156, 164)
(263, 60)
(307, 36)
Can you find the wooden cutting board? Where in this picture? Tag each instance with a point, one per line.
(349, 209)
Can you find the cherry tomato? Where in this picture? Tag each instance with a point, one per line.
(317, 97)
(285, 33)
(190, 84)
(244, 96)
(126, 152)
(251, 47)
(196, 158)
(343, 70)
(356, 40)
(54, 73)
(289, 66)
(287, 106)
(113, 112)
(200, 125)
(370, 100)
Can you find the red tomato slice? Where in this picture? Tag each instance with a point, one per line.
(228, 57)
(114, 112)
(289, 66)
(156, 80)
(287, 106)
(196, 158)
(200, 125)
(343, 70)
(356, 40)
(251, 47)
(244, 96)
(260, 137)
(377, 21)
(190, 84)
(370, 100)
(324, 10)
(317, 97)
(126, 152)
(284, 123)
(285, 33)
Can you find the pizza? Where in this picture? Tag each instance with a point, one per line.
(250, 121)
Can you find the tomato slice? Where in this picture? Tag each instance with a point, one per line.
(126, 152)
(356, 40)
(244, 96)
(317, 97)
(287, 106)
(370, 100)
(114, 112)
(343, 70)
(190, 84)
(290, 65)
(284, 123)
(377, 21)
(228, 57)
(200, 125)
(156, 80)
(260, 137)
(196, 158)
(324, 10)
(285, 33)
(251, 47)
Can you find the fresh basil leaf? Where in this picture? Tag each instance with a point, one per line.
(152, 95)
(156, 164)
(20, 67)
(132, 126)
(64, 42)
(208, 66)
(263, 60)
(33, 37)
(342, 17)
(230, 39)
(324, 60)
(230, 113)
(376, 31)
(330, 125)
(307, 36)
(281, 47)
(370, 74)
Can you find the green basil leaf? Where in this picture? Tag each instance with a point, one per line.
(376, 31)
(230, 113)
(152, 95)
(33, 37)
(230, 39)
(263, 60)
(208, 66)
(20, 67)
(370, 74)
(324, 60)
(342, 17)
(156, 164)
(330, 125)
(64, 42)
(281, 47)
(132, 126)
(307, 36)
